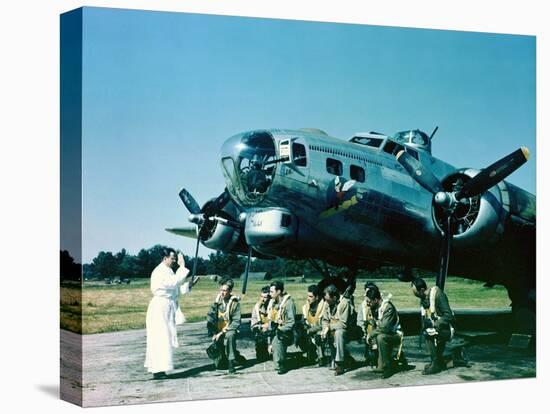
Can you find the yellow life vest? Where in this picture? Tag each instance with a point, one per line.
(276, 313)
(313, 320)
(264, 317)
(222, 323)
(431, 310)
(223, 315)
(367, 317)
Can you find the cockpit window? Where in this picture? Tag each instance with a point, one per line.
(392, 147)
(369, 142)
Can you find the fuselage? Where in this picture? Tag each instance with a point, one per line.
(352, 203)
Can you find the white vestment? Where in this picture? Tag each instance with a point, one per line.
(160, 322)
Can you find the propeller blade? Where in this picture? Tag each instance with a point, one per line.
(189, 202)
(219, 203)
(445, 253)
(494, 174)
(419, 173)
(247, 269)
(227, 222)
(195, 262)
(190, 232)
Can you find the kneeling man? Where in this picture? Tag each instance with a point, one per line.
(258, 320)
(437, 319)
(311, 313)
(282, 317)
(223, 322)
(386, 333)
(335, 322)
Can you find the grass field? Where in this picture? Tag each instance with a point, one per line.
(108, 308)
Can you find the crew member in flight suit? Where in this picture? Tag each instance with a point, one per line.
(223, 322)
(365, 320)
(437, 319)
(335, 323)
(282, 317)
(258, 319)
(386, 332)
(311, 314)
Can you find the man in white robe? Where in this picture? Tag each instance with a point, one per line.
(162, 314)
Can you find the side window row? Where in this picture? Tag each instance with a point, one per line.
(335, 167)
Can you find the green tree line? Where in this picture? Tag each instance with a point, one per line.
(124, 265)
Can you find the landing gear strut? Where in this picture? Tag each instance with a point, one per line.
(523, 309)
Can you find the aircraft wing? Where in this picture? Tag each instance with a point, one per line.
(190, 232)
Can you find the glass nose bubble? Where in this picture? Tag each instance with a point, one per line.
(249, 162)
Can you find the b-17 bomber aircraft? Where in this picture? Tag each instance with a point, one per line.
(372, 200)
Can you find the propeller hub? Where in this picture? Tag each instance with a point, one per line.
(197, 219)
(444, 200)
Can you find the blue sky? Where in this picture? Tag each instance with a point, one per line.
(162, 91)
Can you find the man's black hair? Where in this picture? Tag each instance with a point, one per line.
(419, 283)
(278, 285)
(370, 285)
(167, 251)
(373, 294)
(265, 289)
(313, 289)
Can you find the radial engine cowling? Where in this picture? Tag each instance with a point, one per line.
(220, 236)
(479, 219)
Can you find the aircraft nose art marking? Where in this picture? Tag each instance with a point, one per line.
(340, 197)
(335, 210)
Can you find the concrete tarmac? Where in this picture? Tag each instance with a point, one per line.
(113, 372)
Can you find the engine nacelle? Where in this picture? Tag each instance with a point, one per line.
(220, 236)
(270, 226)
(480, 219)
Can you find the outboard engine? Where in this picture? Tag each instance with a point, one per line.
(481, 219)
(219, 235)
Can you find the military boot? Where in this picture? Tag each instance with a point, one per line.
(387, 372)
(435, 367)
(281, 368)
(431, 369)
(240, 359)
